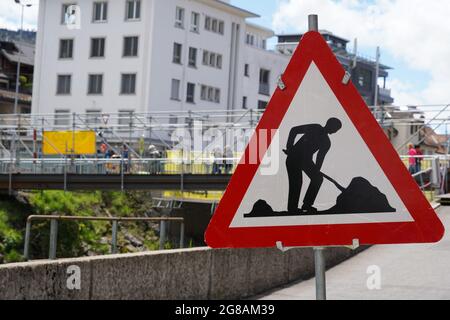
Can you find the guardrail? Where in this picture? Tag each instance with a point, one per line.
(115, 225)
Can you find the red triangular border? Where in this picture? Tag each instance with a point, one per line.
(426, 228)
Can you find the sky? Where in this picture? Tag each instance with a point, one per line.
(412, 35)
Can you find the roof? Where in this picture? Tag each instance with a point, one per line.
(26, 52)
(432, 139)
(268, 32)
(223, 5)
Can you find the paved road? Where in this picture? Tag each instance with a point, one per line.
(407, 272)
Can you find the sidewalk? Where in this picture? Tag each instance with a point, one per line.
(407, 272)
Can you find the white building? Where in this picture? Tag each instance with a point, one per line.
(149, 56)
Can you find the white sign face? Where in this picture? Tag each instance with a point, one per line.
(349, 170)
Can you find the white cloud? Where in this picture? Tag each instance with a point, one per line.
(11, 12)
(413, 31)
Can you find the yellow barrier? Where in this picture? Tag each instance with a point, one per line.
(69, 142)
(207, 196)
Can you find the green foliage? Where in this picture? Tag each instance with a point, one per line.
(74, 238)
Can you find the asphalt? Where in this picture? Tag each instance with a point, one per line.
(406, 272)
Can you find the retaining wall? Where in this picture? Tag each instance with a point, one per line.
(199, 273)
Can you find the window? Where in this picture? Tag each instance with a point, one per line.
(264, 82)
(264, 44)
(217, 95)
(365, 79)
(65, 13)
(250, 39)
(93, 116)
(62, 117)
(219, 61)
(64, 84)
(244, 102)
(214, 25)
(95, 84)
(212, 59)
(179, 17)
(97, 47)
(130, 46)
(175, 90)
(195, 22)
(126, 118)
(193, 57)
(247, 70)
(100, 12)
(66, 49)
(128, 83)
(133, 10)
(177, 53)
(190, 92)
(207, 23)
(262, 104)
(211, 94)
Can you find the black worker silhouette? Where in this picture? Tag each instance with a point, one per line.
(315, 139)
(359, 197)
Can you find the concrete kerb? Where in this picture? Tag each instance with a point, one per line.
(199, 273)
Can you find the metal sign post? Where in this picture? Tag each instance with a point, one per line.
(319, 257)
(319, 263)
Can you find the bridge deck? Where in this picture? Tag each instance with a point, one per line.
(113, 182)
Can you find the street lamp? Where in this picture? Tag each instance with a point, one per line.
(13, 151)
(16, 98)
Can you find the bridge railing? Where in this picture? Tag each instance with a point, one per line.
(144, 166)
(115, 225)
(430, 172)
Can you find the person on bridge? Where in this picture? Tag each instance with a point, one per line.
(315, 139)
(419, 158)
(412, 153)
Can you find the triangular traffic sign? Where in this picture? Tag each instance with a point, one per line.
(319, 170)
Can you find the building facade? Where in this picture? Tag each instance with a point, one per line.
(139, 56)
(362, 70)
(10, 54)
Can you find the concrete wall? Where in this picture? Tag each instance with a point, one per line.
(199, 273)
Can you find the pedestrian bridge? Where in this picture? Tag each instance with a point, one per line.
(115, 174)
(171, 173)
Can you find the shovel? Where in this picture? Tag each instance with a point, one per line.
(341, 188)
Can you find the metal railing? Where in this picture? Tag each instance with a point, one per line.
(115, 226)
(118, 166)
(430, 172)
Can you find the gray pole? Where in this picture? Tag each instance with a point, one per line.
(319, 262)
(114, 237)
(162, 234)
(182, 235)
(53, 239)
(377, 72)
(16, 97)
(26, 248)
(313, 22)
(319, 259)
